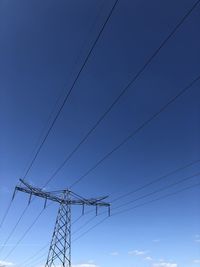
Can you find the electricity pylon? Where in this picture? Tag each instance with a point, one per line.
(60, 248)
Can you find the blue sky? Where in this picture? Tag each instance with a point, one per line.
(43, 45)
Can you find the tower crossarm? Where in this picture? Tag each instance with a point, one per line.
(60, 248)
(38, 193)
(88, 203)
(73, 198)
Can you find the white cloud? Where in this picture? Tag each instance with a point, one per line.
(165, 264)
(137, 252)
(5, 263)
(148, 258)
(156, 240)
(114, 253)
(197, 238)
(89, 264)
(85, 265)
(196, 261)
(91, 261)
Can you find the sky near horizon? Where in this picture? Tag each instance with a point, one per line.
(42, 46)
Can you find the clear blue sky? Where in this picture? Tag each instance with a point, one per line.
(42, 46)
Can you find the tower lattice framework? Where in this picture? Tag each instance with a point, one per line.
(60, 248)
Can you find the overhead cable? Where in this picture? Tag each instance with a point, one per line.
(71, 88)
(138, 129)
(124, 90)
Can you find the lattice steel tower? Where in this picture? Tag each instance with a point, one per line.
(60, 248)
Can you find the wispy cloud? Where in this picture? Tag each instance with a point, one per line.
(196, 261)
(156, 240)
(148, 258)
(137, 252)
(197, 238)
(114, 253)
(73, 265)
(5, 263)
(165, 264)
(85, 265)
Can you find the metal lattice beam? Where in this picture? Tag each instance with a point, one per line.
(60, 248)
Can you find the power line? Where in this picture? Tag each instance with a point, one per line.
(63, 91)
(60, 249)
(155, 53)
(44, 255)
(38, 259)
(156, 180)
(6, 213)
(83, 225)
(35, 255)
(141, 70)
(158, 190)
(137, 206)
(26, 232)
(100, 222)
(14, 228)
(17, 223)
(134, 207)
(156, 199)
(127, 203)
(144, 196)
(63, 104)
(87, 202)
(71, 88)
(137, 130)
(44, 247)
(11, 233)
(155, 115)
(136, 190)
